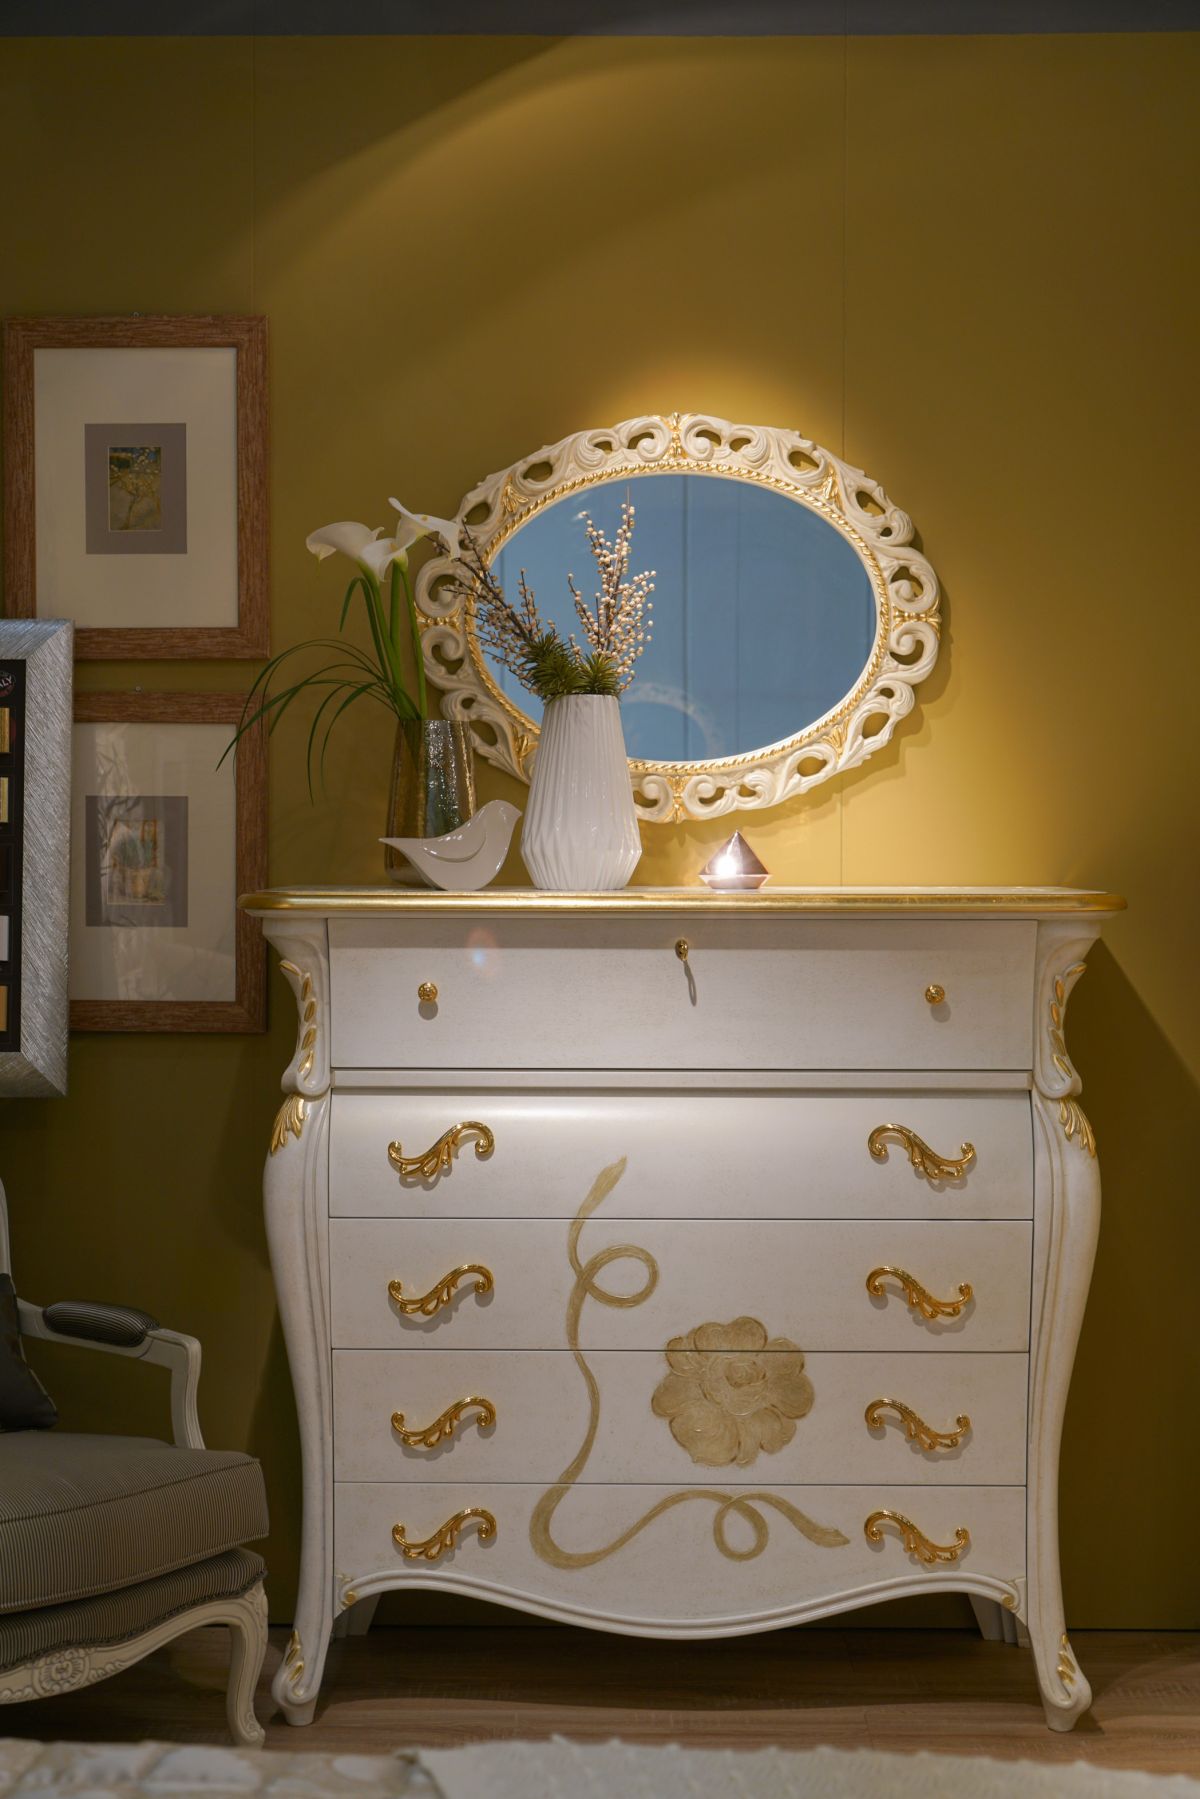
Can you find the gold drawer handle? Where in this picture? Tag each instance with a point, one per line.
(434, 1547)
(682, 948)
(926, 1161)
(427, 993)
(443, 1293)
(915, 1428)
(916, 1296)
(441, 1155)
(915, 1541)
(443, 1428)
(935, 993)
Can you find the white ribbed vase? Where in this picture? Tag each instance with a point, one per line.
(580, 833)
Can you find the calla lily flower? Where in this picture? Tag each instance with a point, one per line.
(423, 524)
(373, 552)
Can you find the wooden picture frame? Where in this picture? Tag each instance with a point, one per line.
(221, 569)
(246, 1010)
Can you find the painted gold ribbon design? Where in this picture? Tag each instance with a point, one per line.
(740, 1505)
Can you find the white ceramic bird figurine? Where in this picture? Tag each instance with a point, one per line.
(468, 858)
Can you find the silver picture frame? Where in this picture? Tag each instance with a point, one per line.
(37, 944)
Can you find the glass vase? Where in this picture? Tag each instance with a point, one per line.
(432, 788)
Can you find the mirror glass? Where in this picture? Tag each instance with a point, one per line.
(764, 614)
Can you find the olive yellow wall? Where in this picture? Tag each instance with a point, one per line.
(964, 264)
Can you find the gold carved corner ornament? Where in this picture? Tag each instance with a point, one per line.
(925, 1160)
(1071, 1115)
(747, 1507)
(307, 1046)
(293, 1659)
(289, 1120)
(1067, 1670)
(732, 1392)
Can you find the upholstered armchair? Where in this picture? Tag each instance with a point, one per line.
(111, 1546)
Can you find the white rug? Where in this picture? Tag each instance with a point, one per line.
(554, 1770)
(561, 1770)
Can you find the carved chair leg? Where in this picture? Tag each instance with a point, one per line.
(248, 1646)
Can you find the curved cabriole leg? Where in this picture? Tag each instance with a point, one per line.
(1067, 1223)
(296, 1199)
(248, 1646)
(295, 1185)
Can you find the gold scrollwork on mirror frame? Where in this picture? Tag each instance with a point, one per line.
(443, 1428)
(915, 1541)
(926, 1161)
(432, 1302)
(431, 1549)
(779, 461)
(439, 1157)
(917, 1296)
(915, 1427)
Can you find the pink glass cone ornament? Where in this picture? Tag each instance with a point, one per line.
(735, 868)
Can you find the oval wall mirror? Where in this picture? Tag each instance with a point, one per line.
(792, 616)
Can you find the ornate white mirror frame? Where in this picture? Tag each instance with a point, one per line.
(904, 585)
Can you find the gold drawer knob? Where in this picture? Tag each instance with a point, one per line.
(433, 1548)
(427, 993)
(915, 1428)
(926, 1161)
(915, 1541)
(935, 993)
(682, 948)
(441, 1295)
(438, 1159)
(917, 1296)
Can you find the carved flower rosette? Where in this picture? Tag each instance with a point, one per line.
(733, 1392)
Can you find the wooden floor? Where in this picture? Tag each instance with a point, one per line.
(883, 1689)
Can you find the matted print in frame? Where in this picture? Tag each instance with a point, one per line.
(163, 842)
(135, 482)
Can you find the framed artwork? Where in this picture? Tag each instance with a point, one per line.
(135, 482)
(163, 842)
(36, 670)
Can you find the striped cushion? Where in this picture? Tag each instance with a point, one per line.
(115, 1617)
(123, 1325)
(83, 1514)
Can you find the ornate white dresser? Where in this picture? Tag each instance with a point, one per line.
(683, 1264)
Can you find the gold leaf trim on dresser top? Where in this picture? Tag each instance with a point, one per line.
(428, 1304)
(925, 1160)
(741, 1505)
(444, 1427)
(289, 1119)
(432, 1549)
(916, 1296)
(440, 1156)
(915, 1427)
(915, 1541)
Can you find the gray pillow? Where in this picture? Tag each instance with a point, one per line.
(24, 1402)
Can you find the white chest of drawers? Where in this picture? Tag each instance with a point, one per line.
(682, 1265)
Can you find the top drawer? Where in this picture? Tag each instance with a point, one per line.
(779, 993)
